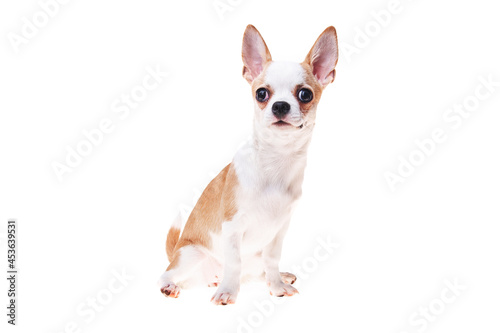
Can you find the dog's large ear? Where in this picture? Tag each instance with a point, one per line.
(323, 56)
(255, 54)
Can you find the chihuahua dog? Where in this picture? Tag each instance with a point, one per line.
(236, 228)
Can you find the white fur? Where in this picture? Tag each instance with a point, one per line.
(270, 170)
(283, 77)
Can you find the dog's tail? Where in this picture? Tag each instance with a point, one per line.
(173, 237)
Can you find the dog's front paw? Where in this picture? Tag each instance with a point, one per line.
(224, 296)
(282, 289)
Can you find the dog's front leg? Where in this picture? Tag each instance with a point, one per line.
(230, 285)
(271, 256)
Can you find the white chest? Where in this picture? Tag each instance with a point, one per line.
(264, 217)
(266, 198)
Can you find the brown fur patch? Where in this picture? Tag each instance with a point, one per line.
(216, 205)
(311, 83)
(174, 261)
(260, 82)
(172, 239)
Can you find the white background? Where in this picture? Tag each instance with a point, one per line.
(113, 211)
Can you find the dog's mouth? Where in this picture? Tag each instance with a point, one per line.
(281, 123)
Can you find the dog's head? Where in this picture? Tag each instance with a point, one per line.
(286, 94)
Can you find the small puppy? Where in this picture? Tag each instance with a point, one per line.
(237, 227)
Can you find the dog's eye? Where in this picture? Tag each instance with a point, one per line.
(305, 95)
(262, 95)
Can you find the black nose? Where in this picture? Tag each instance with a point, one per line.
(280, 109)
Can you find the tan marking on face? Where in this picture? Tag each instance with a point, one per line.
(311, 83)
(216, 205)
(260, 82)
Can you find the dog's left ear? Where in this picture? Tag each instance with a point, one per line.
(323, 56)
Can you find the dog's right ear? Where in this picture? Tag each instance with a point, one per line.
(255, 54)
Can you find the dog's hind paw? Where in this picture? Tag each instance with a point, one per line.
(171, 290)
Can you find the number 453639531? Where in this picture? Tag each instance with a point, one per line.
(11, 243)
